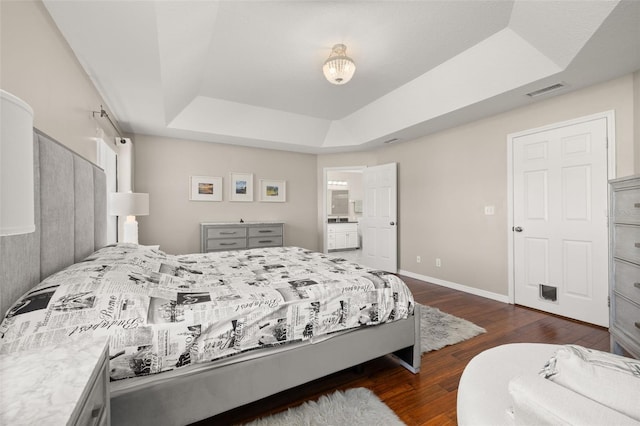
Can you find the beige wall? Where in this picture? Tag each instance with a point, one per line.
(636, 118)
(38, 66)
(446, 179)
(163, 167)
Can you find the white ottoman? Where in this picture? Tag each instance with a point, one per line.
(483, 392)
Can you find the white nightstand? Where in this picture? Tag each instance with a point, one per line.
(56, 385)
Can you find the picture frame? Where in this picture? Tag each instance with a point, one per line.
(205, 188)
(241, 187)
(273, 191)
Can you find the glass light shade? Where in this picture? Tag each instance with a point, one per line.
(339, 68)
(16, 161)
(128, 204)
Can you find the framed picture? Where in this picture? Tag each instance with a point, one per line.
(241, 187)
(274, 191)
(205, 188)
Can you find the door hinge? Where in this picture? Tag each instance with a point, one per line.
(609, 301)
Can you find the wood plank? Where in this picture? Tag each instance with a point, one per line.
(429, 398)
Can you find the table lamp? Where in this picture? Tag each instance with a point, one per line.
(129, 204)
(17, 215)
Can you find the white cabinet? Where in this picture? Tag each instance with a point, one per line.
(342, 236)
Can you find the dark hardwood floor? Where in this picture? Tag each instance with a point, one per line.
(429, 398)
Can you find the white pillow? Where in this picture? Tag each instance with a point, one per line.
(610, 379)
(537, 401)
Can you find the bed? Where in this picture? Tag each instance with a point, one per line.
(279, 337)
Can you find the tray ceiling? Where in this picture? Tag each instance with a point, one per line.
(249, 72)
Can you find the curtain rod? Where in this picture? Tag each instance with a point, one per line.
(103, 114)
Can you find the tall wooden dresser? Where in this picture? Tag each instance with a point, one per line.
(217, 236)
(624, 275)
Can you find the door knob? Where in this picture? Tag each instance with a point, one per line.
(517, 228)
(392, 223)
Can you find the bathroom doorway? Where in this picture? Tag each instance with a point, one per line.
(343, 204)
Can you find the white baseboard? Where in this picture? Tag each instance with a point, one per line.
(476, 291)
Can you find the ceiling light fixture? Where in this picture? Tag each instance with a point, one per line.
(339, 68)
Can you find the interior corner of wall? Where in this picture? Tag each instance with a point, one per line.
(338, 136)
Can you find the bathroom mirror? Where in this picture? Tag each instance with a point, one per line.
(340, 202)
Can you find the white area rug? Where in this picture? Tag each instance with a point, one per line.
(439, 329)
(357, 406)
(360, 406)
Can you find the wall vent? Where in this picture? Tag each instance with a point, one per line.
(546, 90)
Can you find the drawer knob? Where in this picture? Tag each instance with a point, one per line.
(637, 324)
(637, 245)
(228, 233)
(227, 244)
(636, 285)
(95, 413)
(265, 241)
(637, 205)
(265, 231)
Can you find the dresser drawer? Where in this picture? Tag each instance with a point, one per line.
(240, 236)
(265, 241)
(331, 241)
(627, 242)
(262, 231)
(239, 232)
(627, 206)
(627, 280)
(95, 410)
(226, 244)
(342, 227)
(627, 317)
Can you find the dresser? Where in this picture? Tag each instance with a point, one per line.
(342, 236)
(624, 275)
(57, 385)
(219, 236)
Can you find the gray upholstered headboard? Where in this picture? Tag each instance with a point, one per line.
(70, 215)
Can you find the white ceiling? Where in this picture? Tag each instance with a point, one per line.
(249, 72)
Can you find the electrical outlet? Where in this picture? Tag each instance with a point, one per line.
(438, 262)
(418, 259)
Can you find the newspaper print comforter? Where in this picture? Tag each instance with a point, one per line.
(163, 312)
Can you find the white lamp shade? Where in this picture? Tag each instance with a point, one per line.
(16, 161)
(128, 204)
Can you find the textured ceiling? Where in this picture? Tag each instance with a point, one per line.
(249, 72)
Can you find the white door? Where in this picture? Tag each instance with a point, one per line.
(379, 218)
(560, 221)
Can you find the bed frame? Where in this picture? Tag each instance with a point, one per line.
(70, 200)
(189, 398)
